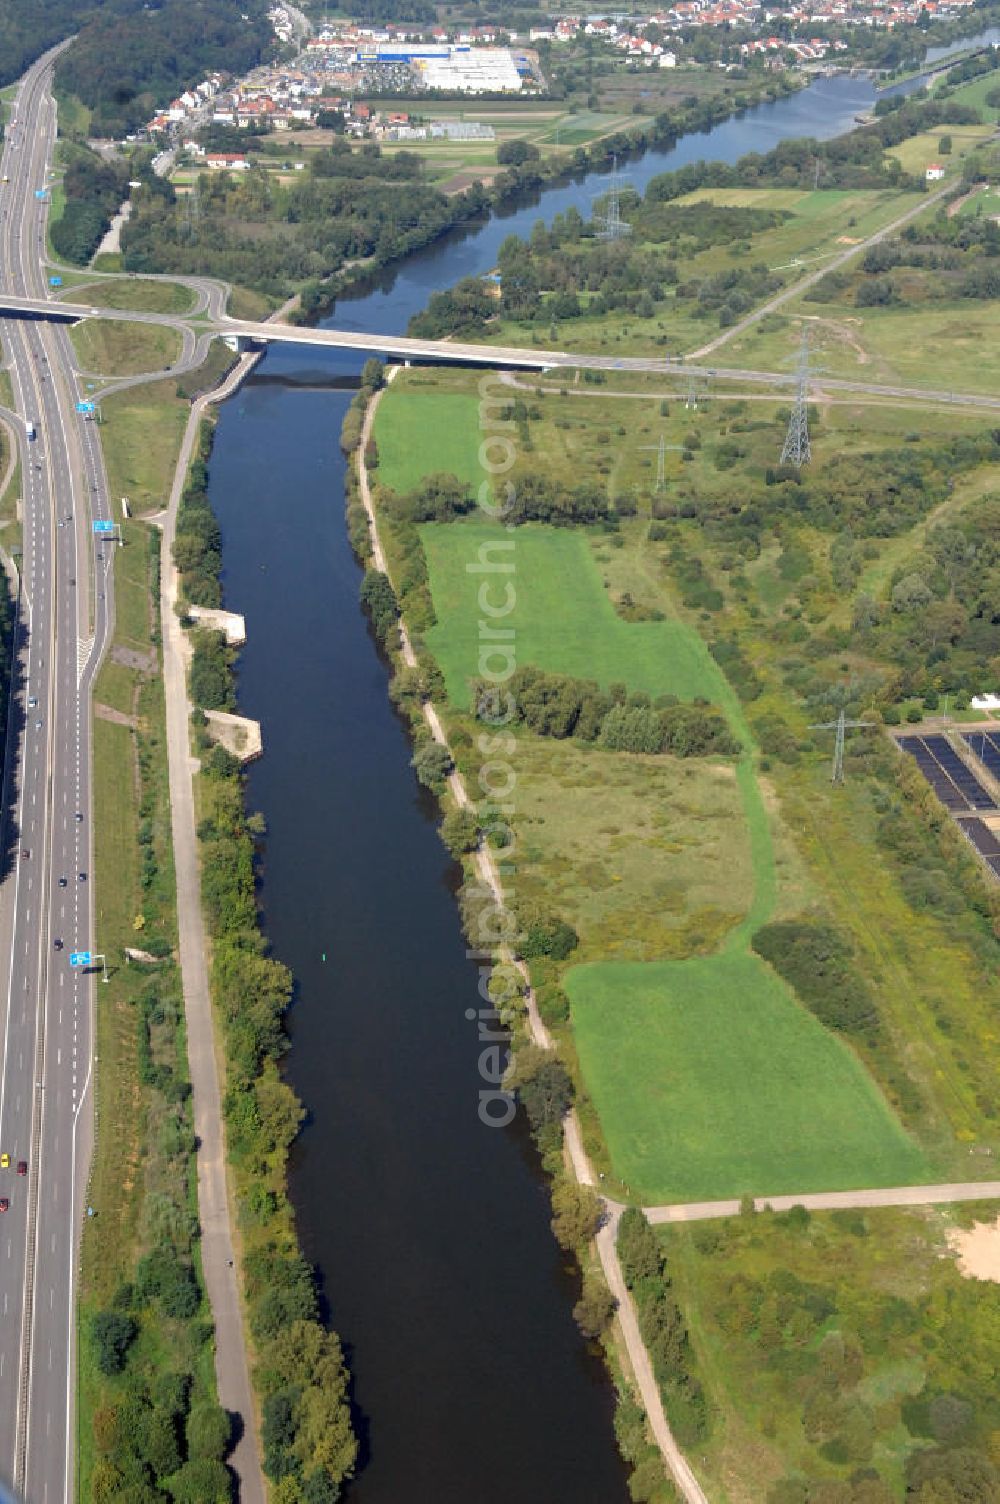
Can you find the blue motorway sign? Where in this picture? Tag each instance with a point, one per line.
(85, 407)
(55, 281)
(79, 958)
(41, 192)
(104, 527)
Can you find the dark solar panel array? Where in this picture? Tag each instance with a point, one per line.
(986, 842)
(955, 785)
(986, 745)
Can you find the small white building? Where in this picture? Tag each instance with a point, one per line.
(934, 172)
(226, 161)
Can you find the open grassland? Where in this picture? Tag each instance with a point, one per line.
(646, 857)
(917, 152)
(974, 94)
(886, 1282)
(141, 433)
(710, 1081)
(946, 346)
(115, 1179)
(415, 439)
(113, 348)
(563, 619)
(146, 294)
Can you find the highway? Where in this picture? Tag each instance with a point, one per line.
(46, 901)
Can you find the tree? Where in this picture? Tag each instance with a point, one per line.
(113, 1335)
(944, 146)
(544, 1087)
(373, 374)
(638, 1251)
(911, 593)
(596, 1306)
(432, 763)
(516, 153)
(208, 1432)
(201, 1481)
(460, 830)
(578, 1212)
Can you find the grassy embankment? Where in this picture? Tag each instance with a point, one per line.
(104, 347)
(145, 294)
(656, 1040)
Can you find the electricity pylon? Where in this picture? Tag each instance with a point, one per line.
(615, 228)
(796, 450)
(697, 383)
(840, 725)
(661, 459)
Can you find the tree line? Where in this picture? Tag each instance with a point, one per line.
(560, 706)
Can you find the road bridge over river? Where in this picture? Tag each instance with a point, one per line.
(245, 334)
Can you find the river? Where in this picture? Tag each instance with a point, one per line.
(430, 1231)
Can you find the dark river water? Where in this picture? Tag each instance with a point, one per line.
(430, 1232)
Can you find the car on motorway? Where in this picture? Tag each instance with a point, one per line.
(32, 703)
(25, 853)
(4, 1161)
(22, 1167)
(4, 1204)
(83, 877)
(57, 944)
(62, 882)
(79, 814)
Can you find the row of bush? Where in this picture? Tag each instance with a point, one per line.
(661, 1322)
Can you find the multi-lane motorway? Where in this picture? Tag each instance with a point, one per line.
(46, 908)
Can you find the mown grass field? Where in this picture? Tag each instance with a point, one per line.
(416, 439)
(711, 1081)
(113, 348)
(563, 619)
